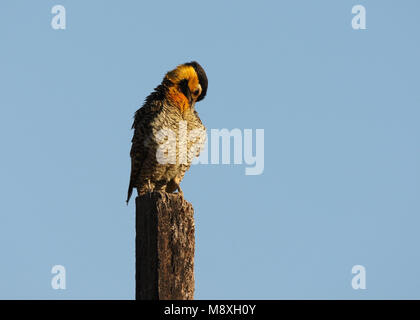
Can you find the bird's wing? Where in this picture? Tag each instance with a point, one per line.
(143, 119)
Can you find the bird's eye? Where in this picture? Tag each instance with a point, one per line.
(196, 92)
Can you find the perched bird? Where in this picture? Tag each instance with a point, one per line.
(169, 108)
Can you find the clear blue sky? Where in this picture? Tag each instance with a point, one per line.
(340, 110)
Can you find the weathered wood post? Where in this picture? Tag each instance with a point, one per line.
(165, 244)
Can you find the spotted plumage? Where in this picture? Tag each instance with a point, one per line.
(169, 108)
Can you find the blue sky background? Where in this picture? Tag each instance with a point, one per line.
(340, 110)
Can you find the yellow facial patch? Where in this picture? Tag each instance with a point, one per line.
(182, 72)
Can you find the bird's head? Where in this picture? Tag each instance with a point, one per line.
(187, 85)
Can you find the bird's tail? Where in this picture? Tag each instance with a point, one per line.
(130, 192)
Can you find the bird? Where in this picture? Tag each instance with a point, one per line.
(169, 108)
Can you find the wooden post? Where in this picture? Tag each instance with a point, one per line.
(165, 243)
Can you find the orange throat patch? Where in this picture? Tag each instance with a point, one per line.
(178, 99)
